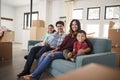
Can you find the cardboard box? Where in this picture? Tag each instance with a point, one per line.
(111, 24)
(8, 36)
(38, 23)
(37, 33)
(114, 35)
(5, 51)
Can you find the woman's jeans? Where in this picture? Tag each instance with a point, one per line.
(45, 62)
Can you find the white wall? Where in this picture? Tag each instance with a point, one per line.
(50, 11)
(22, 36)
(8, 12)
(56, 9)
(95, 3)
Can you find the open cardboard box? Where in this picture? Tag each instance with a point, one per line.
(114, 35)
(6, 46)
(8, 36)
(37, 33)
(38, 23)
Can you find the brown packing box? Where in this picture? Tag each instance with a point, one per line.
(38, 23)
(8, 36)
(111, 24)
(5, 51)
(37, 33)
(114, 35)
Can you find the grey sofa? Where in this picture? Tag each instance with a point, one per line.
(102, 55)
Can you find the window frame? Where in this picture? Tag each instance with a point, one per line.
(25, 24)
(114, 12)
(88, 14)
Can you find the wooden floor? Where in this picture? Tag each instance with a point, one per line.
(9, 70)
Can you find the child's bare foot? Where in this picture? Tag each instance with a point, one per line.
(27, 77)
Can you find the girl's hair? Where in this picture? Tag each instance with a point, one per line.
(78, 24)
(52, 27)
(81, 31)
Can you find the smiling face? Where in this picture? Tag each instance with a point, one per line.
(60, 27)
(74, 26)
(81, 37)
(50, 29)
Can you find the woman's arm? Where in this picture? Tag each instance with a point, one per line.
(63, 42)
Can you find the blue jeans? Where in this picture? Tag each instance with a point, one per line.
(45, 62)
(35, 53)
(42, 50)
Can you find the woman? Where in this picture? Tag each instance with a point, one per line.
(57, 53)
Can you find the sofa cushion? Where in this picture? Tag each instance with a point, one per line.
(63, 65)
(100, 45)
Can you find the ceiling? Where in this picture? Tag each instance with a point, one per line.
(17, 3)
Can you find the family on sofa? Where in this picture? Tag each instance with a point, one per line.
(60, 47)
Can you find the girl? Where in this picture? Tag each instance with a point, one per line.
(51, 30)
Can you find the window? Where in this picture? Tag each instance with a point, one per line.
(93, 13)
(105, 31)
(35, 16)
(93, 28)
(77, 13)
(112, 12)
(62, 18)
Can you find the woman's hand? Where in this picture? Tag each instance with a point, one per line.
(69, 54)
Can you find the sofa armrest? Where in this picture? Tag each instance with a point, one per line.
(107, 58)
(31, 43)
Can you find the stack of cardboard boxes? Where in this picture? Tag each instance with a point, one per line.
(38, 30)
(6, 46)
(114, 35)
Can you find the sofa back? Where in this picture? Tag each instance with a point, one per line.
(101, 45)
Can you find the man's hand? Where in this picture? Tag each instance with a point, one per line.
(52, 47)
(52, 53)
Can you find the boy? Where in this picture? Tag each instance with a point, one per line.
(80, 47)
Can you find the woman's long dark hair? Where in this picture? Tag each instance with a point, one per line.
(78, 24)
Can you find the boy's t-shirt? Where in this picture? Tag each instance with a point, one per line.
(78, 46)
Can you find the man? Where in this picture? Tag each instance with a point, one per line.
(52, 43)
